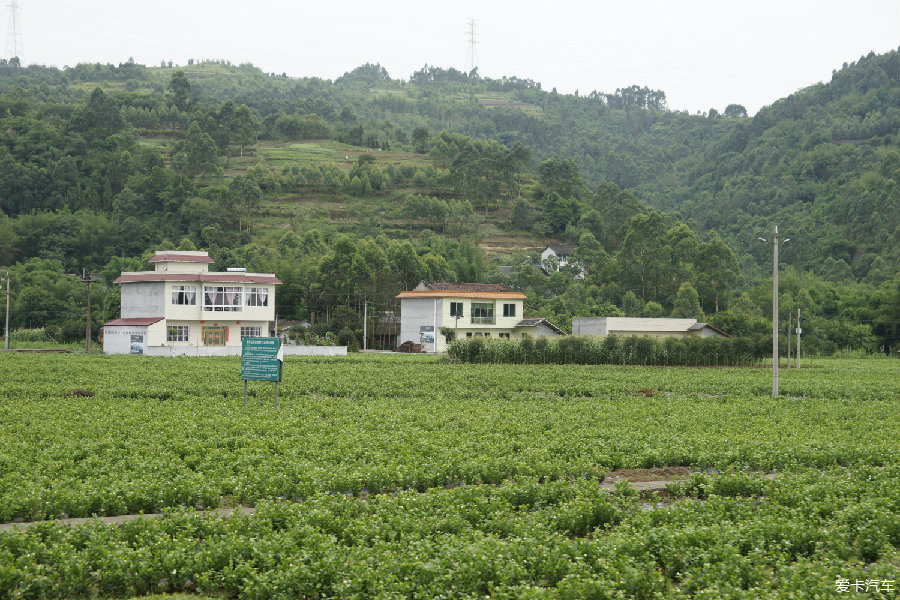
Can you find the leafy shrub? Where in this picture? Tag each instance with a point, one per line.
(611, 349)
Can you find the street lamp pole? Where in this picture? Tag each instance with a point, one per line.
(775, 242)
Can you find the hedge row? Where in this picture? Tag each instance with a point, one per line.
(615, 350)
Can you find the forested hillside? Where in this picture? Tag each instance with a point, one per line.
(354, 189)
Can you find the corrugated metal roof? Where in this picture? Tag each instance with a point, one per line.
(506, 295)
(135, 322)
(203, 277)
(175, 257)
(649, 324)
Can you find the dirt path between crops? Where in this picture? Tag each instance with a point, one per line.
(117, 520)
(643, 480)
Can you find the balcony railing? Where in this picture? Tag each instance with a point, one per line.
(483, 320)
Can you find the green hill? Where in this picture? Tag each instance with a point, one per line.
(446, 175)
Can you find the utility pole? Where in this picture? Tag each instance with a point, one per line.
(799, 331)
(6, 328)
(775, 242)
(365, 322)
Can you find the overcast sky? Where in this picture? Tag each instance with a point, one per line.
(703, 54)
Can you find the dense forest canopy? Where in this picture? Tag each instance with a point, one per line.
(354, 189)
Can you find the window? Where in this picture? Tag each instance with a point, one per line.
(483, 312)
(258, 296)
(456, 309)
(504, 336)
(185, 295)
(222, 298)
(177, 333)
(509, 310)
(468, 334)
(251, 331)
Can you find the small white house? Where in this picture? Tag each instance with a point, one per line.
(643, 326)
(183, 308)
(560, 256)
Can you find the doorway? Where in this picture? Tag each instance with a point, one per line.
(214, 336)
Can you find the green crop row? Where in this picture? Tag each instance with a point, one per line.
(792, 537)
(615, 350)
(411, 476)
(175, 431)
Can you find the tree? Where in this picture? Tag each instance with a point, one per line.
(520, 214)
(406, 264)
(180, 88)
(99, 118)
(561, 176)
(642, 257)
(681, 248)
(196, 153)
(420, 138)
(735, 110)
(243, 191)
(717, 270)
(244, 127)
(687, 303)
(560, 213)
(590, 254)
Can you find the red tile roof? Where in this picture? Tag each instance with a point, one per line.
(180, 258)
(204, 277)
(142, 321)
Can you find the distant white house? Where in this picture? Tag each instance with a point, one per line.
(182, 308)
(644, 326)
(560, 256)
(486, 310)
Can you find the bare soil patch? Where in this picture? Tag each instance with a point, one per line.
(652, 474)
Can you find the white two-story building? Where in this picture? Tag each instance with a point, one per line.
(183, 308)
(488, 310)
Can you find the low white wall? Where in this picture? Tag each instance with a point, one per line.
(315, 350)
(236, 351)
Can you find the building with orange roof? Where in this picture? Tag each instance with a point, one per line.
(485, 310)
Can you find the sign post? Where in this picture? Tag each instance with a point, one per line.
(261, 360)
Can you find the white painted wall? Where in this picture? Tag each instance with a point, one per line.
(117, 339)
(167, 266)
(236, 351)
(416, 313)
(144, 299)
